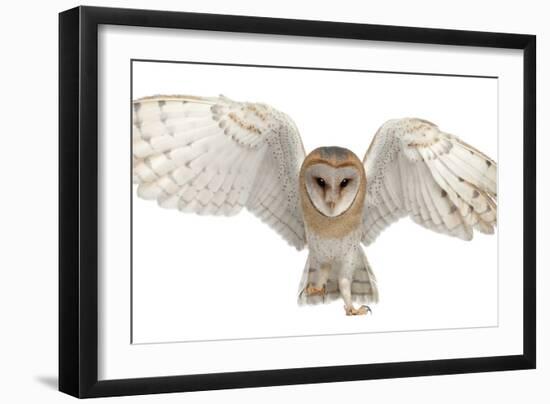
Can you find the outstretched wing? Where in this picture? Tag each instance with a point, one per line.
(215, 156)
(414, 169)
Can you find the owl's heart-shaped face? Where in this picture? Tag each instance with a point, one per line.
(332, 190)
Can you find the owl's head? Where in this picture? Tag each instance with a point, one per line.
(332, 177)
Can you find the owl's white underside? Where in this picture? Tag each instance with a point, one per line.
(346, 260)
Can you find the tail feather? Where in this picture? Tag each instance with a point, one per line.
(363, 287)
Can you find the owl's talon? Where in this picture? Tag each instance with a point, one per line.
(352, 311)
(313, 291)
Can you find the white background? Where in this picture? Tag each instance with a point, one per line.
(29, 216)
(205, 278)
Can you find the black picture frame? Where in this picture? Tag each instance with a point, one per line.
(78, 201)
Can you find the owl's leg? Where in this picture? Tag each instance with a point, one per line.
(344, 284)
(319, 286)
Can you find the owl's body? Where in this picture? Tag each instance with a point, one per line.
(336, 264)
(216, 156)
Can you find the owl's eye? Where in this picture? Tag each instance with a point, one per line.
(344, 183)
(320, 182)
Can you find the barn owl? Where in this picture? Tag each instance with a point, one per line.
(216, 156)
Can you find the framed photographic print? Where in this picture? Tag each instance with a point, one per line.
(251, 201)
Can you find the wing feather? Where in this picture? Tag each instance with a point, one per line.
(215, 156)
(414, 169)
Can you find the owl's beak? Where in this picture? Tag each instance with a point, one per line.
(330, 199)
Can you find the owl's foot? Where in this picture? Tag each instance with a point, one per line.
(314, 291)
(352, 311)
